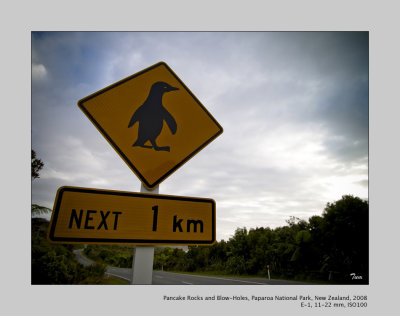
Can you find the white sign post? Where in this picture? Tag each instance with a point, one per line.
(143, 257)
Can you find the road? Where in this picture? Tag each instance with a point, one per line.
(169, 278)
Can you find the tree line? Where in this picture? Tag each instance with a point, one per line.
(332, 247)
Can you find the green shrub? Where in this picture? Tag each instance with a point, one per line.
(55, 264)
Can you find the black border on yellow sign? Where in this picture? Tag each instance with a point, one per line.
(57, 203)
(81, 104)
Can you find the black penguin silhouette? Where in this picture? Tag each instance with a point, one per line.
(151, 115)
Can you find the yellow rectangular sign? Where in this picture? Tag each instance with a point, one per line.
(83, 215)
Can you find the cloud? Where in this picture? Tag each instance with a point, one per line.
(38, 72)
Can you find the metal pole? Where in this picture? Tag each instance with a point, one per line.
(142, 264)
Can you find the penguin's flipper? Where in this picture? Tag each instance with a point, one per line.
(170, 121)
(136, 116)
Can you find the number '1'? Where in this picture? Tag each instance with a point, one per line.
(155, 215)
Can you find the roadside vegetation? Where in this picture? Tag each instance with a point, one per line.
(55, 264)
(331, 248)
(112, 255)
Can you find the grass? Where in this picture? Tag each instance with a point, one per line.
(111, 280)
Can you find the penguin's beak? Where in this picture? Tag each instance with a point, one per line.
(172, 88)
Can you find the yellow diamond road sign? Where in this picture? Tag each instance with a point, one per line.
(153, 121)
(83, 215)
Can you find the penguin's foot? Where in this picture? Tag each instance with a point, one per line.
(164, 148)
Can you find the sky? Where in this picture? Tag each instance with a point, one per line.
(293, 105)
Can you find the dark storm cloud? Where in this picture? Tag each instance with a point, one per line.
(332, 66)
(337, 63)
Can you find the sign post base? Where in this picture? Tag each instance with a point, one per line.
(142, 264)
